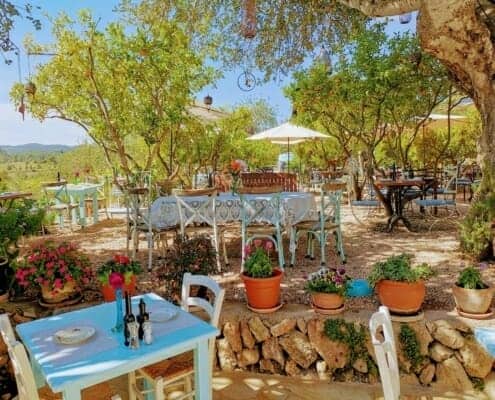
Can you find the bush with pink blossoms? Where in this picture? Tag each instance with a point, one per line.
(54, 265)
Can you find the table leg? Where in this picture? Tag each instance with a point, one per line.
(202, 371)
(95, 207)
(82, 211)
(72, 393)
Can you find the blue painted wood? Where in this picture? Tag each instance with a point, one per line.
(72, 377)
(486, 337)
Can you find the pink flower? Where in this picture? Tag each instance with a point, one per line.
(62, 250)
(39, 279)
(268, 245)
(257, 242)
(50, 265)
(85, 280)
(57, 283)
(247, 250)
(116, 280)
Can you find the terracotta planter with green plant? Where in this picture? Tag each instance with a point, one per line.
(261, 280)
(126, 269)
(471, 294)
(328, 288)
(399, 285)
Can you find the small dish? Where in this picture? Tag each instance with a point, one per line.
(74, 335)
(163, 315)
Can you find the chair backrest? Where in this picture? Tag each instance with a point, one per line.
(26, 384)
(266, 179)
(264, 208)
(212, 309)
(196, 206)
(56, 191)
(386, 354)
(330, 205)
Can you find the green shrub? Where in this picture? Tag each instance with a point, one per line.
(328, 281)
(410, 345)
(258, 264)
(470, 278)
(398, 268)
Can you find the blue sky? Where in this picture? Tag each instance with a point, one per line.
(13, 130)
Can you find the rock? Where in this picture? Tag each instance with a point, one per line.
(258, 329)
(490, 385)
(3, 346)
(423, 335)
(476, 360)
(439, 352)
(360, 365)
(247, 336)
(248, 357)
(283, 327)
(335, 354)
(452, 376)
(301, 325)
(226, 357)
(321, 367)
(409, 379)
(427, 374)
(460, 326)
(370, 348)
(298, 347)
(447, 335)
(4, 359)
(233, 335)
(291, 368)
(430, 325)
(267, 366)
(271, 350)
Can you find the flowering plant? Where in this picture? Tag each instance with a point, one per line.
(236, 167)
(328, 281)
(258, 263)
(118, 271)
(54, 265)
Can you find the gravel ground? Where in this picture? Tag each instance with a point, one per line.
(365, 243)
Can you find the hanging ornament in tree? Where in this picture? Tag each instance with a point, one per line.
(325, 59)
(208, 101)
(22, 107)
(246, 81)
(30, 88)
(405, 18)
(248, 26)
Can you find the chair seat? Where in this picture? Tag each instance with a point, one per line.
(156, 229)
(435, 203)
(101, 391)
(63, 206)
(261, 229)
(314, 225)
(365, 203)
(171, 368)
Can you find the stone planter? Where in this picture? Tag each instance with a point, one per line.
(327, 301)
(58, 295)
(108, 291)
(263, 293)
(401, 297)
(472, 301)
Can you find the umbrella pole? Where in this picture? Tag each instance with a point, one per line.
(288, 154)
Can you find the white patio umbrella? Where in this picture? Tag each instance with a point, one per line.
(286, 134)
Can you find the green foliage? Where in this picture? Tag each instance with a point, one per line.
(328, 281)
(398, 268)
(470, 278)
(410, 345)
(258, 264)
(354, 336)
(475, 230)
(120, 264)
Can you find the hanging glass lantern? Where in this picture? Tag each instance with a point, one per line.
(248, 26)
(30, 88)
(405, 18)
(208, 101)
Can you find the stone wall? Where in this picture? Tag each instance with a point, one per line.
(449, 356)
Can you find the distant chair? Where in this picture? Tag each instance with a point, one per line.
(58, 200)
(386, 353)
(287, 181)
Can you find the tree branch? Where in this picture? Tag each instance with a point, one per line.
(383, 8)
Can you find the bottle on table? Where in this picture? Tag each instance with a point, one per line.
(142, 318)
(128, 319)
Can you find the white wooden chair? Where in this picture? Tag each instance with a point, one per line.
(386, 354)
(26, 384)
(178, 371)
(59, 201)
(202, 211)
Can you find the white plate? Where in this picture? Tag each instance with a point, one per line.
(163, 314)
(74, 335)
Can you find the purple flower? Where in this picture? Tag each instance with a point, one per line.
(482, 266)
(341, 271)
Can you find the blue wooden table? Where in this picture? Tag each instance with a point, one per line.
(69, 369)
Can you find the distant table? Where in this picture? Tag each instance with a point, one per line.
(78, 194)
(396, 190)
(71, 368)
(7, 198)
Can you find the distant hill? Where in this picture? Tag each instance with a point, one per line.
(35, 148)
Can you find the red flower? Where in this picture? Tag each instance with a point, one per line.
(116, 280)
(235, 166)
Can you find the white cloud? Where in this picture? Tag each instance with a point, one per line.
(13, 130)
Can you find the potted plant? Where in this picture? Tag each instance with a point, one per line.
(471, 294)
(119, 267)
(261, 280)
(399, 285)
(58, 269)
(328, 288)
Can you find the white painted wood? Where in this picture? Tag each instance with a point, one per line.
(386, 354)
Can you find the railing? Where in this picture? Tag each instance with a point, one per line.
(263, 179)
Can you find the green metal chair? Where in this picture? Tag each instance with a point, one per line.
(261, 218)
(329, 221)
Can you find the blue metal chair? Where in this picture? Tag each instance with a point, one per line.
(261, 218)
(329, 221)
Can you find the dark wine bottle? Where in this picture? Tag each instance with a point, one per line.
(128, 318)
(141, 318)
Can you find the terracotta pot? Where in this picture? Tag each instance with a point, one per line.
(50, 295)
(109, 292)
(472, 301)
(263, 292)
(329, 301)
(401, 297)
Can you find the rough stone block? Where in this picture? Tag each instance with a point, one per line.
(298, 347)
(283, 327)
(258, 329)
(232, 333)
